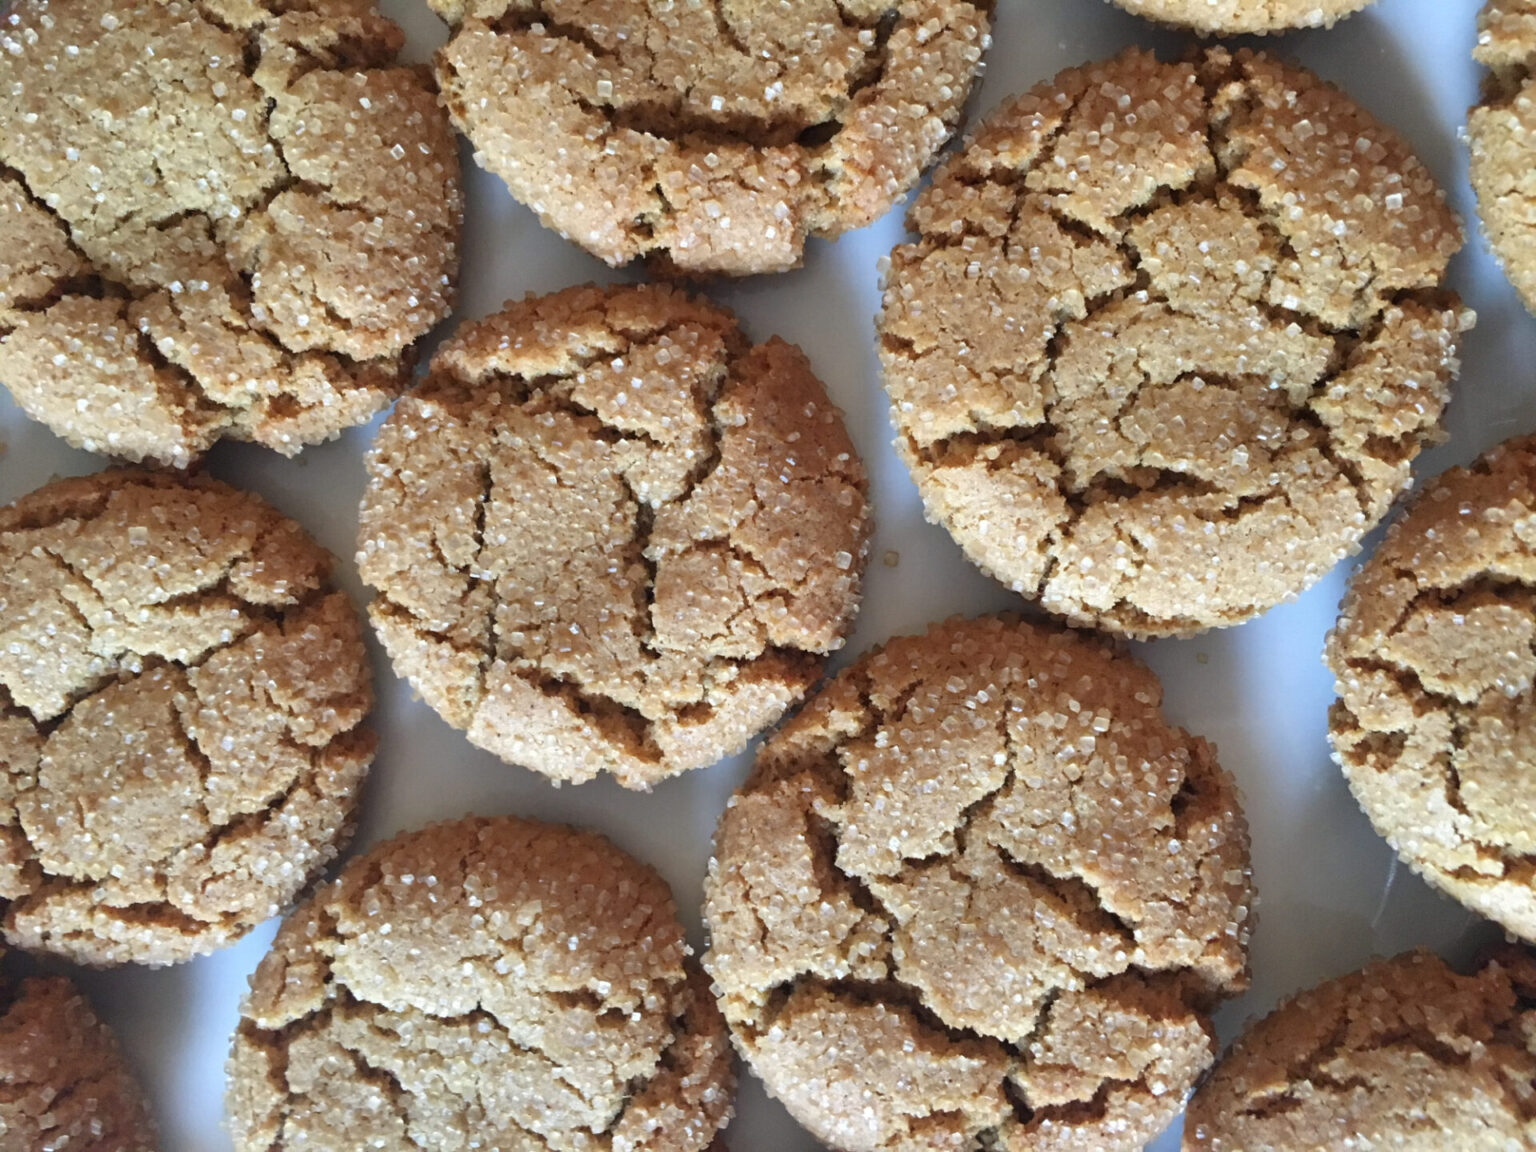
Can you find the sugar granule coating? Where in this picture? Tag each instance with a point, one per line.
(608, 534)
(1500, 132)
(230, 218)
(714, 136)
(482, 983)
(979, 894)
(63, 1085)
(1403, 1053)
(1234, 17)
(1434, 660)
(1169, 339)
(182, 695)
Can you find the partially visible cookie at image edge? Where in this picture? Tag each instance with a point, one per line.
(1500, 131)
(1232, 17)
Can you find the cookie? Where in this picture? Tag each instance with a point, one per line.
(232, 218)
(1169, 338)
(712, 138)
(482, 983)
(1233, 17)
(63, 1084)
(1499, 135)
(979, 894)
(1401, 1054)
(182, 694)
(1435, 725)
(609, 534)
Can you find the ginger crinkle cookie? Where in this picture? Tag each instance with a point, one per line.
(979, 894)
(609, 534)
(1231, 17)
(1169, 338)
(63, 1085)
(483, 983)
(1434, 658)
(182, 694)
(1403, 1054)
(713, 136)
(1501, 134)
(223, 218)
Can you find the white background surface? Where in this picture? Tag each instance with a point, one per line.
(1329, 894)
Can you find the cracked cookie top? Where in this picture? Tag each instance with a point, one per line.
(1434, 660)
(712, 135)
(1499, 134)
(609, 534)
(63, 1084)
(221, 218)
(1169, 338)
(482, 983)
(1234, 17)
(1401, 1054)
(979, 894)
(182, 695)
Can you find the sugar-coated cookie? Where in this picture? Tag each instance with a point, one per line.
(1231, 17)
(1501, 134)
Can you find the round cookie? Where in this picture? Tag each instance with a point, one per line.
(482, 983)
(63, 1085)
(1401, 1054)
(1435, 726)
(713, 138)
(225, 219)
(1499, 133)
(1169, 338)
(1234, 17)
(608, 534)
(978, 893)
(182, 692)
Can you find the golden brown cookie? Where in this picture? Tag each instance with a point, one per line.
(714, 137)
(1499, 133)
(63, 1085)
(1403, 1054)
(482, 983)
(1232, 17)
(609, 534)
(1433, 660)
(979, 894)
(1169, 338)
(223, 218)
(182, 694)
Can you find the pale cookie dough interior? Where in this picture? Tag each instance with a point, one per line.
(1434, 658)
(1169, 339)
(1404, 1054)
(1501, 133)
(715, 135)
(181, 704)
(1231, 17)
(979, 894)
(224, 218)
(485, 983)
(608, 534)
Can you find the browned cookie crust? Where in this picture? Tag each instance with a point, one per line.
(1435, 667)
(1169, 339)
(63, 1086)
(181, 702)
(483, 983)
(1403, 1054)
(1231, 17)
(1499, 132)
(608, 534)
(713, 135)
(217, 218)
(979, 894)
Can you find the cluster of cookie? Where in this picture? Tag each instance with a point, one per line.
(1164, 349)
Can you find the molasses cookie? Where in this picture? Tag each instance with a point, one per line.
(1499, 133)
(482, 983)
(609, 534)
(978, 893)
(714, 137)
(1232, 17)
(1170, 338)
(182, 692)
(1435, 726)
(228, 218)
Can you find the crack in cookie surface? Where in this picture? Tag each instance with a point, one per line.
(608, 533)
(1158, 317)
(181, 703)
(216, 219)
(978, 892)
